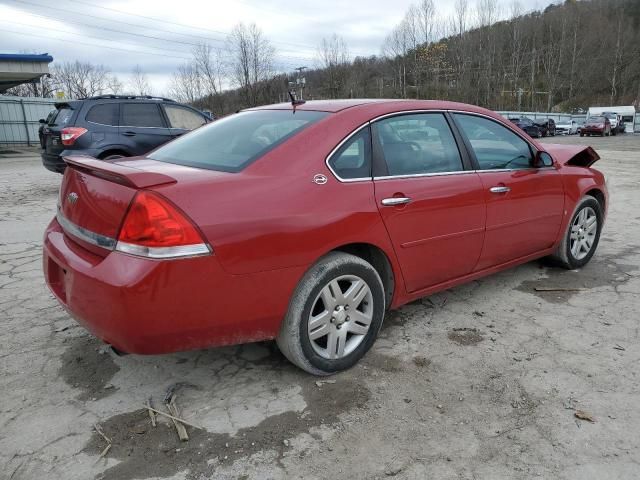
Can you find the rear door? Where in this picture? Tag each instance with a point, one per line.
(525, 205)
(143, 126)
(431, 202)
(182, 119)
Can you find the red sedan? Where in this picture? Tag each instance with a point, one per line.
(305, 224)
(596, 126)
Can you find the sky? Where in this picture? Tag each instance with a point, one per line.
(159, 35)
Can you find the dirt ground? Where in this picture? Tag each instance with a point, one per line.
(479, 382)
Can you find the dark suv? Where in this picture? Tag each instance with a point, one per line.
(528, 126)
(114, 126)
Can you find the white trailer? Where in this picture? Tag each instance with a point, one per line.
(627, 114)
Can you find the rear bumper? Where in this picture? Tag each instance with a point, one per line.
(55, 163)
(160, 306)
(592, 130)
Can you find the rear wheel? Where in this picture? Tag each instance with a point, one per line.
(582, 236)
(112, 155)
(334, 316)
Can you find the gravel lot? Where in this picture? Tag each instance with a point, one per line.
(478, 382)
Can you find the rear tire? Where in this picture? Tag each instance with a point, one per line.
(581, 238)
(340, 302)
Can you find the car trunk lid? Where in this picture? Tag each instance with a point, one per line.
(95, 196)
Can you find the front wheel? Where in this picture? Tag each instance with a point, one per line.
(582, 236)
(334, 315)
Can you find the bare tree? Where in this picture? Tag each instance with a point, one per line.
(211, 66)
(83, 79)
(139, 83)
(333, 56)
(186, 84)
(252, 58)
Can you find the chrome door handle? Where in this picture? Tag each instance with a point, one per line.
(499, 189)
(390, 202)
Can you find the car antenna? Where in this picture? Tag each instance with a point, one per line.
(294, 101)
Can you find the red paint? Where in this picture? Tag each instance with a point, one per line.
(269, 223)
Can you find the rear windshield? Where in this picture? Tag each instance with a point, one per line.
(595, 119)
(232, 143)
(63, 117)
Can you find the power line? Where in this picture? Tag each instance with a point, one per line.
(151, 37)
(92, 44)
(226, 34)
(89, 36)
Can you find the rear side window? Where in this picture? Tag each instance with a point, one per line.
(418, 144)
(141, 115)
(180, 117)
(494, 145)
(104, 114)
(353, 158)
(232, 143)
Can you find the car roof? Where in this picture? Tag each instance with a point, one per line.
(392, 105)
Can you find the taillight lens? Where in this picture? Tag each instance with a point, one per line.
(154, 228)
(69, 135)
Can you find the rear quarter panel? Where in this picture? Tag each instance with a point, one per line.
(272, 215)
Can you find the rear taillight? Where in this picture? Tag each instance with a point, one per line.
(154, 228)
(69, 135)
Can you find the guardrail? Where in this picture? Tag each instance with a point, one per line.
(19, 119)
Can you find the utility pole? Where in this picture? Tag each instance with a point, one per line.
(301, 81)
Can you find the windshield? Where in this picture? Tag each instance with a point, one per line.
(232, 143)
(595, 119)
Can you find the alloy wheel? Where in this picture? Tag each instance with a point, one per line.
(340, 317)
(583, 233)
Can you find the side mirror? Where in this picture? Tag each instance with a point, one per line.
(42, 120)
(543, 159)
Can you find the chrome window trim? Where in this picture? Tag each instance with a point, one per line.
(418, 175)
(88, 236)
(337, 147)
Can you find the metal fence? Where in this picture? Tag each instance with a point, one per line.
(19, 119)
(558, 117)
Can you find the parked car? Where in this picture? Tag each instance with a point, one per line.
(527, 125)
(567, 127)
(596, 126)
(44, 127)
(114, 126)
(306, 222)
(547, 127)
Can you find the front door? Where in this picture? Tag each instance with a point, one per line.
(525, 205)
(433, 208)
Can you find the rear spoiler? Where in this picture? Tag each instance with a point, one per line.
(572, 155)
(124, 175)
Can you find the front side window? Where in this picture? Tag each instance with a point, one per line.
(494, 145)
(232, 143)
(418, 144)
(104, 114)
(141, 115)
(353, 158)
(183, 118)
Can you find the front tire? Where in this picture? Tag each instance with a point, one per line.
(581, 238)
(334, 315)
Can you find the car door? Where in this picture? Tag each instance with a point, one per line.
(142, 127)
(525, 205)
(430, 200)
(182, 119)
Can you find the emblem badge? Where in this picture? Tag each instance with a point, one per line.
(319, 179)
(72, 198)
